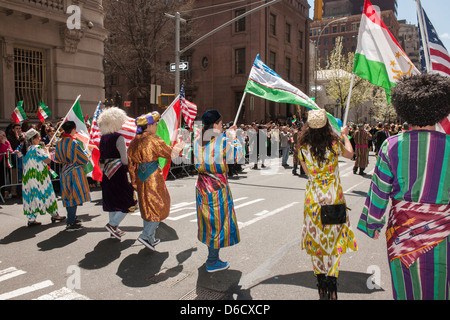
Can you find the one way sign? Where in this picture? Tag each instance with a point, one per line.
(184, 66)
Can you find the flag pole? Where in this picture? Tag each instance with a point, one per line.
(240, 107)
(64, 118)
(348, 100)
(421, 21)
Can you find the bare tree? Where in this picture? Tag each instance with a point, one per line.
(139, 33)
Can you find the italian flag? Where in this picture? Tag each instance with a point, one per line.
(43, 111)
(379, 58)
(265, 83)
(19, 114)
(168, 129)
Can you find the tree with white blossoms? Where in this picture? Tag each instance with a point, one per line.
(339, 72)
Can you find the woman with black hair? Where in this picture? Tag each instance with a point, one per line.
(319, 148)
(216, 218)
(74, 186)
(413, 170)
(37, 190)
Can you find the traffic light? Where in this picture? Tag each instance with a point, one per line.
(318, 10)
(165, 99)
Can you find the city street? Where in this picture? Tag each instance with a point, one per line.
(47, 262)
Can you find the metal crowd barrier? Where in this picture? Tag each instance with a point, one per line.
(11, 173)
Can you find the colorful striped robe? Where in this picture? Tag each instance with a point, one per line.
(413, 169)
(216, 218)
(74, 185)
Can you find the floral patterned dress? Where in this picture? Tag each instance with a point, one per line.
(324, 187)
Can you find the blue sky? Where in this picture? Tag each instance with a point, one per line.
(437, 11)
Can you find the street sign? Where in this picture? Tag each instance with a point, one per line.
(183, 66)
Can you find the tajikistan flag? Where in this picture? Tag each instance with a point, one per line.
(379, 58)
(43, 111)
(168, 130)
(265, 83)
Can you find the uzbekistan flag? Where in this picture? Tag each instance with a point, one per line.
(19, 114)
(43, 111)
(265, 83)
(168, 129)
(379, 58)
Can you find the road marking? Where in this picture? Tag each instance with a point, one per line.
(62, 294)
(195, 212)
(25, 290)
(271, 213)
(261, 213)
(9, 273)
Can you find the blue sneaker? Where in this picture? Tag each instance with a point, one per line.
(220, 265)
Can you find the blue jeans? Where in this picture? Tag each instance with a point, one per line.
(285, 155)
(71, 214)
(116, 217)
(213, 257)
(149, 230)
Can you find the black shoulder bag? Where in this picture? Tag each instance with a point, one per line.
(333, 214)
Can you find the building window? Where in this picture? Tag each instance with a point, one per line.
(300, 39)
(288, 33)
(300, 72)
(287, 66)
(273, 24)
(30, 78)
(239, 25)
(239, 56)
(272, 60)
(334, 29)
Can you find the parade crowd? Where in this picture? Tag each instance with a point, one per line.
(412, 173)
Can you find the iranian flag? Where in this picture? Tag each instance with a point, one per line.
(19, 114)
(76, 115)
(43, 111)
(168, 129)
(379, 58)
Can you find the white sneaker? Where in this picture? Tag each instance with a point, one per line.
(147, 243)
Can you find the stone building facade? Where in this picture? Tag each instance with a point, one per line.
(51, 51)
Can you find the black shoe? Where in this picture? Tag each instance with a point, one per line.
(332, 288)
(33, 224)
(355, 169)
(58, 218)
(361, 172)
(322, 285)
(73, 226)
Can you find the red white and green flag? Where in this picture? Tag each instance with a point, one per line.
(76, 115)
(379, 58)
(19, 114)
(43, 111)
(168, 129)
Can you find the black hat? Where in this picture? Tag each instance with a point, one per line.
(210, 117)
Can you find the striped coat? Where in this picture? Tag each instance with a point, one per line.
(216, 218)
(413, 169)
(74, 186)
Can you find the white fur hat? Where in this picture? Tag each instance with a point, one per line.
(111, 120)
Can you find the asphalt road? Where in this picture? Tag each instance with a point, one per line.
(47, 262)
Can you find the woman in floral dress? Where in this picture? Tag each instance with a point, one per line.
(319, 149)
(37, 191)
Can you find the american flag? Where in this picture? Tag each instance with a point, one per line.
(188, 109)
(438, 57)
(95, 134)
(128, 130)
